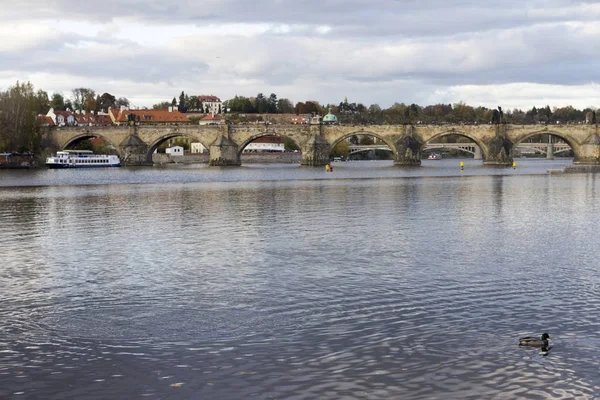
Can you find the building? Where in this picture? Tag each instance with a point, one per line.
(141, 117)
(329, 118)
(61, 118)
(197, 148)
(266, 144)
(83, 118)
(212, 119)
(210, 104)
(174, 151)
(44, 120)
(300, 119)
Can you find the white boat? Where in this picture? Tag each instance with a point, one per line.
(434, 156)
(82, 159)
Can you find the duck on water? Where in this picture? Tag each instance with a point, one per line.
(533, 341)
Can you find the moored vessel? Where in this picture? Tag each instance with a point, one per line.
(434, 156)
(82, 159)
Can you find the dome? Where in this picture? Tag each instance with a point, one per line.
(330, 118)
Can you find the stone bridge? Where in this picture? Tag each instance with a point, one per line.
(135, 144)
(549, 149)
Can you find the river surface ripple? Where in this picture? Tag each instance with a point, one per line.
(281, 282)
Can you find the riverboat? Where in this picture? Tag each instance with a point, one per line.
(434, 156)
(82, 159)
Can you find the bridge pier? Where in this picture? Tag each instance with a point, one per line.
(550, 152)
(315, 152)
(478, 153)
(499, 152)
(409, 152)
(588, 158)
(224, 152)
(133, 151)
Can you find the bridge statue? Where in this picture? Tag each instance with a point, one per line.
(498, 116)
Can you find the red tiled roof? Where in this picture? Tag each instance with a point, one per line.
(208, 98)
(103, 120)
(45, 120)
(63, 113)
(299, 120)
(150, 116)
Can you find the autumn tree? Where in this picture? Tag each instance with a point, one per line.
(19, 107)
(84, 99)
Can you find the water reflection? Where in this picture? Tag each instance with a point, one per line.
(379, 288)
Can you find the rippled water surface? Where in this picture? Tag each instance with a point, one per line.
(282, 282)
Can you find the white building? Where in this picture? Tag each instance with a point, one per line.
(174, 151)
(211, 104)
(197, 148)
(61, 118)
(266, 144)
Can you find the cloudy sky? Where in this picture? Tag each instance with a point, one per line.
(503, 52)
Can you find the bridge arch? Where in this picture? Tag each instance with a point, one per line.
(259, 135)
(89, 135)
(574, 146)
(570, 141)
(432, 146)
(170, 135)
(480, 150)
(384, 139)
(453, 132)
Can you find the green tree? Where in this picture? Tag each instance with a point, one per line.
(260, 103)
(43, 101)
(122, 101)
(272, 103)
(182, 107)
(285, 106)
(289, 144)
(366, 140)
(375, 114)
(57, 102)
(106, 101)
(342, 149)
(162, 105)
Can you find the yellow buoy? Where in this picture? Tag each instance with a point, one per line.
(326, 167)
(462, 165)
(514, 164)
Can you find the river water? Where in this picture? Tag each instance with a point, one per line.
(283, 282)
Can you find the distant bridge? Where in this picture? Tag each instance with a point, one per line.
(550, 149)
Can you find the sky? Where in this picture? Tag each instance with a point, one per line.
(516, 54)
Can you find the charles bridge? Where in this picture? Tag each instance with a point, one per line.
(136, 143)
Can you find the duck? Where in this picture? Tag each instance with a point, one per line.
(532, 341)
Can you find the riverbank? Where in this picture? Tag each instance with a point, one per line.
(246, 158)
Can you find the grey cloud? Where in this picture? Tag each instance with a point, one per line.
(354, 18)
(380, 48)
